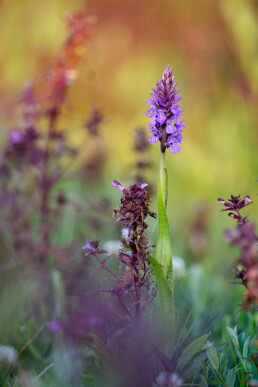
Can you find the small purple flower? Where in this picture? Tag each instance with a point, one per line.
(16, 137)
(164, 113)
(234, 205)
(92, 247)
(87, 246)
(116, 184)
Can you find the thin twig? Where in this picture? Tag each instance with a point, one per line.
(103, 266)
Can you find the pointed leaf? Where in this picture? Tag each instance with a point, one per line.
(231, 378)
(213, 358)
(164, 306)
(163, 249)
(191, 351)
(234, 339)
(164, 292)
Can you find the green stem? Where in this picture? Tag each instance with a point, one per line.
(163, 178)
(164, 192)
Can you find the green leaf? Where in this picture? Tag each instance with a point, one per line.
(231, 378)
(205, 369)
(164, 307)
(213, 358)
(246, 347)
(234, 339)
(163, 249)
(198, 361)
(195, 364)
(164, 292)
(191, 351)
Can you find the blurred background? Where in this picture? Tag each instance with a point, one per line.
(212, 46)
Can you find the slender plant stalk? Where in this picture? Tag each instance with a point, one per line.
(163, 177)
(164, 192)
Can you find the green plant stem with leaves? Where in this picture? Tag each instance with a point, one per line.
(164, 250)
(162, 264)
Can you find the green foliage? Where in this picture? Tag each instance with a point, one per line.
(164, 291)
(233, 366)
(231, 378)
(191, 351)
(213, 358)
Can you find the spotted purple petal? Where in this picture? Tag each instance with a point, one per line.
(175, 148)
(154, 138)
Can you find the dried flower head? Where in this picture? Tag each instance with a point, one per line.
(132, 216)
(164, 112)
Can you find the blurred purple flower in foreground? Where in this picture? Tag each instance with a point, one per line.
(244, 237)
(164, 112)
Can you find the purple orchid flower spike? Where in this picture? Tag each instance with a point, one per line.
(164, 113)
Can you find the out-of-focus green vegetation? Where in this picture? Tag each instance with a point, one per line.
(212, 46)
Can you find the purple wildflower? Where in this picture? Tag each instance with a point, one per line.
(92, 247)
(234, 205)
(116, 184)
(165, 126)
(244, 237)
(87, 245)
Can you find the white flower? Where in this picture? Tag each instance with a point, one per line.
(7, 354)
(178, 267)
(112, 247)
